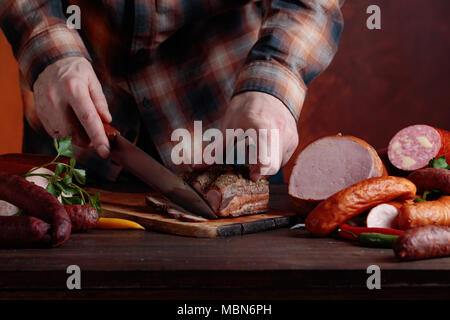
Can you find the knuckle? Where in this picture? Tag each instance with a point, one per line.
(72, 84)
(50, 97)
(86, 116)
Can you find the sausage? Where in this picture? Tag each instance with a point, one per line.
(413, 147)
(18, 231)
(423, 242)
(37, 202)
(430, 179)
(329, 165)
(384, 215)
(83, 217)
(435, 212)
(355, 199)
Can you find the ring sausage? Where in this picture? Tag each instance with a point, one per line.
(37, 202)
(18, 231)
(355, 199)
(423, 242)
(83, 217)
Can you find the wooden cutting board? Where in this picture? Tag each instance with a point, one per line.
(132, 206)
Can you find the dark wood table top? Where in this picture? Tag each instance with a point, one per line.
(277, 264)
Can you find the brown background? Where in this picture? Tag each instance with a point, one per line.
(379, 82)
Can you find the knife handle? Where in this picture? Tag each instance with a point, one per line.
(111, 132)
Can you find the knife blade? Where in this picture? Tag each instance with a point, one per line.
(157, 176)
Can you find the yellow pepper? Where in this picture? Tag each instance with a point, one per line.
(116, 223)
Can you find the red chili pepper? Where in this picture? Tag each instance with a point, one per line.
(352, 233)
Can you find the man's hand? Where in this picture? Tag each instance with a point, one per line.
(68, 93)
(259, 110)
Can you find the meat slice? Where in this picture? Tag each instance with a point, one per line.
(328, 165)
(163, 205)
(413, 147)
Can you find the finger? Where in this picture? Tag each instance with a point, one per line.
(288, 154)
(270, 158)
(78, 134)
(99, 100)
(291, 146)
(87, 114)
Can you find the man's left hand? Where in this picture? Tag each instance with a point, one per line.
(258, 110)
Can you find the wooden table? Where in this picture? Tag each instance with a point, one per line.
(277, 264)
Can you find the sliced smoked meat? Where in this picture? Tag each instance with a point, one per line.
(227, 188)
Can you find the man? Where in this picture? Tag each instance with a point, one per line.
(152, 66)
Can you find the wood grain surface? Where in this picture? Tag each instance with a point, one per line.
(132, 206)
(277, 264)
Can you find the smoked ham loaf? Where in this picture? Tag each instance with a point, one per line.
(329, 165)
(413, 147)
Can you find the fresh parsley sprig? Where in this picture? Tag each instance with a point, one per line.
(440, 162)
(429, 195)
(63, 183)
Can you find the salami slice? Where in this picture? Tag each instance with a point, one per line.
(413, 147)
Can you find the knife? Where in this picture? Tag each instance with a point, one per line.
(156, 175)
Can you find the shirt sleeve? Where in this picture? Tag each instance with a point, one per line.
(297, 41)
(38, 34)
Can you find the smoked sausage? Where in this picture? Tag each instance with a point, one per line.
(431, 179)
(435, 212)
(37, 202)
(19, 231)
(356, 199)
(423, 242)
(83, 217)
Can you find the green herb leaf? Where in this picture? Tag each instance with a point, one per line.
(440, 163)
(80, 175)
(53, 190)
(60, 169)
(61, 183)
(94, 201)
(69, 190)
(18, 213)
(72, 200)
(431, 195)
(67, 180)
(64, 147)
(417, 199)
(72, 163)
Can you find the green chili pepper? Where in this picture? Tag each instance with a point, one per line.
(377, 240)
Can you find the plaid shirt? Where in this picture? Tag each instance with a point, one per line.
(165, 63)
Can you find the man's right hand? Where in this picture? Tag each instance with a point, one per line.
(68, 93)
